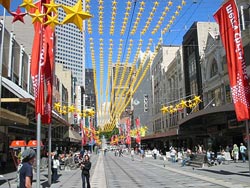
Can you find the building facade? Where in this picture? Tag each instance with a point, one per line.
(70, 45)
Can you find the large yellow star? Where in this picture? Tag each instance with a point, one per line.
(75, 15)
(28, 4)
(52, 7)
(6, 4)
(37, 17)
(52, 22)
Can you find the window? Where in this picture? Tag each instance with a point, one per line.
(214, 69)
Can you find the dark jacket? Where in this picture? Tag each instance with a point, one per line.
(86, 168)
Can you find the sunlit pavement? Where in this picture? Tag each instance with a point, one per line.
(112, 171)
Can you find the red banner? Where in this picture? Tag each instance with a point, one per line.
(42, 67)
(228, 19)
(137, 122)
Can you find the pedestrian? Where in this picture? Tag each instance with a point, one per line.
(154, 153)
(85, 167)
(132, 154)
(142, 154)
(55, 166)
(25, 171)
(235, 153)
(243, 150)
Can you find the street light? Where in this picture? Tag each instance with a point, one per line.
(83, 118)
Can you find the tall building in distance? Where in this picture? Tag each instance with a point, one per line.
(119, 76)
(89, 93)
(90, 98)
(70, 45)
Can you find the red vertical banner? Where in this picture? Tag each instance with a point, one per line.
(228, 19)
(128, 137)
(42, 66)
(37, 65)
(48, 72)
(138, 135)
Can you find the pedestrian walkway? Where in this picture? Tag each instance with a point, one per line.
(233, 175)
(228, 175)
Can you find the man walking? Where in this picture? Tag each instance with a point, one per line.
(243, 150)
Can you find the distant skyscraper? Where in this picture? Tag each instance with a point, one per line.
(90, 100)
(70, 47)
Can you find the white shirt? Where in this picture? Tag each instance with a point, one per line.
(56, 163)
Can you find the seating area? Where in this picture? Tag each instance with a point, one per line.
(198, 160)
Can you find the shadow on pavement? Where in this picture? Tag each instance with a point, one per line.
(223, 172)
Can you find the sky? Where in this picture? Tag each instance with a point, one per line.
(194, 10)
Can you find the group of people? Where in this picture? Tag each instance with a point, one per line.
(25, 169)
(236, 150)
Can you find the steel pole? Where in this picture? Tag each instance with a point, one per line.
(248, 142)
(38, 150)
(49, 156)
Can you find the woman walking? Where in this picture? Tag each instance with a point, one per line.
(55, 166)
(235, 153)
(85, 167)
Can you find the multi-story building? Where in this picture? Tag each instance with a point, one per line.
(167, 89)
(142, 108)
(70, 45)
(89, 95)
(118, 89)
(194, 43)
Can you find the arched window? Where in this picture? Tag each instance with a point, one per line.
(214, 68)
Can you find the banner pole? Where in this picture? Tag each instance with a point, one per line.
(49, 156)
(248, 142)
(38, 150)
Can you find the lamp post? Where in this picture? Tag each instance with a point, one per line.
(83, 119)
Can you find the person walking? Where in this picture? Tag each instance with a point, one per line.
(55, 166)
(243, 150)
(132, 154)
(235, 153)
(85, 167)
(25, 170)
(154, 153)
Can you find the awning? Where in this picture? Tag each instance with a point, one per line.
(18, 144)
(211, 110)
(11, 118)
(171, 132)
(15, 89)
(72, 135)
(33, 144)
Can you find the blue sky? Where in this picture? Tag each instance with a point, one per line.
(194, 10)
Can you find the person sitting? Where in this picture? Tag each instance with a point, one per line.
(187, 158)
(210, 158)
(221, 157)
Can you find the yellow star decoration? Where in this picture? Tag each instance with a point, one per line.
(71, 108)
(57, 106)
(28, 4)
(6, 4)
(37, 17)
(197, 99)
(52, 21)
(52, 7)
(75, 15)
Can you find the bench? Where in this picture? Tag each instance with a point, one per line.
(198, 160)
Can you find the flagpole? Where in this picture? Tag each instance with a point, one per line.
(247, 121)
(38, 139)
(248, 142)
(49, 156)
